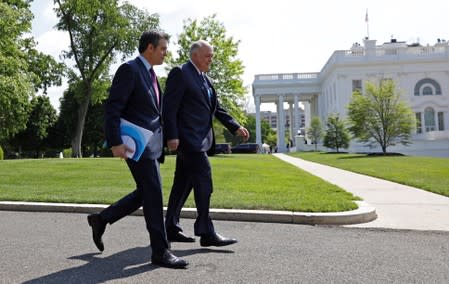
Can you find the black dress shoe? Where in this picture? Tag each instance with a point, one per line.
(98, 227)
(216, 240)
(179, 237)
(167, 259)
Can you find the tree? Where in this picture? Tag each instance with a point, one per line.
(226, 70)
(94, 130)
(23, 70)
(265, 129)
(99, 31)
(315, 131)
(380, 116)
(41, 118)
(68, 116)
(337, 136)
(47, 72)
(266, 132)
(15, 86)
(271, 139)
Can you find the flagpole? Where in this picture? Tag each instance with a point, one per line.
(367, 24)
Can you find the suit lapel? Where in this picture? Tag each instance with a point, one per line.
(149, 85)
(200, 83)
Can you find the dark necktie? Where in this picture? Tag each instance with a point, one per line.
(208, 89)
(154, 83)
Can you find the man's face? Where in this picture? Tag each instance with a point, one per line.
(156, 55)
(203, 58)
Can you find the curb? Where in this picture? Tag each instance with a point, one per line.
(363, 214)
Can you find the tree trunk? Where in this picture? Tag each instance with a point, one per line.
(82, 113)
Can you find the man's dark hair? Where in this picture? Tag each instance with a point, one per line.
(151, 37)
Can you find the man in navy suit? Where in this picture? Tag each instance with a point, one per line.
(135, 96)
(190, 104)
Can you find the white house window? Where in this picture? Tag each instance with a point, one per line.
(429, 119)
(427, 91)
(440, 121)
(357, 85)
(418, 122)
(427, 87)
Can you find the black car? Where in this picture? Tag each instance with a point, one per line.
(223, 148)
(250, 148)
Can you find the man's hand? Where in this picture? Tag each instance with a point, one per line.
(173, 144)
(244, 133)
(120, 151)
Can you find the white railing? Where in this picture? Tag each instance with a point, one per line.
(286, 76)
(385, 53)
(354, 55)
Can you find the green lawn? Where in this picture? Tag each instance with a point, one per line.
(428, 173)
(240, 182)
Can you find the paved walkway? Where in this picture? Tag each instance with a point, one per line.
(397, 206)
(54, 248)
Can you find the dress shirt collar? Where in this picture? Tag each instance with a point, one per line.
(145, 62)
(197, 70)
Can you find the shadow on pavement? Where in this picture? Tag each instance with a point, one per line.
(117, 266)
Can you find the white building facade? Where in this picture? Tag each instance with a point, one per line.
(272, 119)
(420, 72)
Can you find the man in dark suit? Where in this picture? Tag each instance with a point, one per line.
(190, 104)
(135, 96)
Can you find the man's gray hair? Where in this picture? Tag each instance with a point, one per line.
(197, 45)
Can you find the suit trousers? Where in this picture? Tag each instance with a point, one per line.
(148, 194)
(192, 171)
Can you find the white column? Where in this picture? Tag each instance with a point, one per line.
(281, 125)
(423, 125)
(277, 124)
(295, 116)
(290, 124)
(258, 129)
(307, 118)
(337, 91)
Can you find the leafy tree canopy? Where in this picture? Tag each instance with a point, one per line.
(315, 131)
(99, 31)
(226, 69)
(41, 118)
(23, 70)
(337, 136)
(380, 116)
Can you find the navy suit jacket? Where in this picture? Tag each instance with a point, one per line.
(132, 97)
(188, 110)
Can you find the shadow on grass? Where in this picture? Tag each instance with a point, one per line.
(223, 156)
(364, 155)
(373, 155)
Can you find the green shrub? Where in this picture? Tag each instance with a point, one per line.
(1, 153)
(67, 153)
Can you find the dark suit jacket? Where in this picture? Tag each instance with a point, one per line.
(188, 110)
(132, 97)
